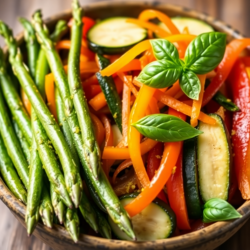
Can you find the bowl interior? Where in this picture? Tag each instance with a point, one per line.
(206, 238)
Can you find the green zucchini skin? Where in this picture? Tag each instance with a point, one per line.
(190, 178)
(216, 137)
(106, 48)
(162, 206)
(225, 102)
(109, 90)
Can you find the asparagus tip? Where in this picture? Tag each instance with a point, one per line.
(47, 217)
(60, 212)
(31, 224)
(76, 194)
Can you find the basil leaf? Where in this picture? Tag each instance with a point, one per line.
(163, 49)
(190, 84)
(219, 210)
(160, 74)
(205, 52)
(165, 128)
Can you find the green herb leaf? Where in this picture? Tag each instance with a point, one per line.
(219, 210)
(225, 102)
(163, 49)
(190, 84)
(165, 128)
(205, 52)
(160, 74)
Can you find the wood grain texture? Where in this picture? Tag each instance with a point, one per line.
(12, 235)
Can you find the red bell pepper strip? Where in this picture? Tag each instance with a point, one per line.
(231, 54)
(153, 163)
(176, 196)
(170, 156)
(240, 85)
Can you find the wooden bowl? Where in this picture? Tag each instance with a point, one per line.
(207, 238)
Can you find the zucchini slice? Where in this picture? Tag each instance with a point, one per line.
(190, 178)
(213, 157)
(156, 221)
(195, 26)
(114, 36)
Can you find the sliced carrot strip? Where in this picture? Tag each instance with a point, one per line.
(99, 129)
(147, 25)
(63, 44)
(126, 110)
(174, 89)
(181, 107)
(154, 109)
(99, 100)
(50, 93)
(26, 101)
(125, 164)
(150, 14)
(128, 83)
(123, 153)
(196, 108)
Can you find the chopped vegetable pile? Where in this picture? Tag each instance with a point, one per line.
(125, 128)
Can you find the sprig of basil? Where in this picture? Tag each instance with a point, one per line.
(203, 54)
(165, 128)
(217, 209)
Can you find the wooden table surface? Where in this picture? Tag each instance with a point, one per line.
(236, 13)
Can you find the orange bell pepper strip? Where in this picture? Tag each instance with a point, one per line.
(196, 108)
(154, 109)
(99, 100)
(137, 50)
(123, 153)
(181, 107)
(133, 65)
(99, 129)
(153, 163)
(170, 156)
(63, 44)
(233, 49)
(139, 108)
(176, 196)
(26, 101)
(150, 26)
(151, 14)
(240, 88)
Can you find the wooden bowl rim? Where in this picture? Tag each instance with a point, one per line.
(203, 235)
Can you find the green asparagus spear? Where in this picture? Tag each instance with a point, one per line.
(88, 213)
(31, 44)
(12, 144)
(23, 142)
(34, 190)
(57, 204)
(65, 127)
(72, 224)
(46, 209)
(84, 139)
(73, 179)
(9, 174)
(14, 102)
(103, 225)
